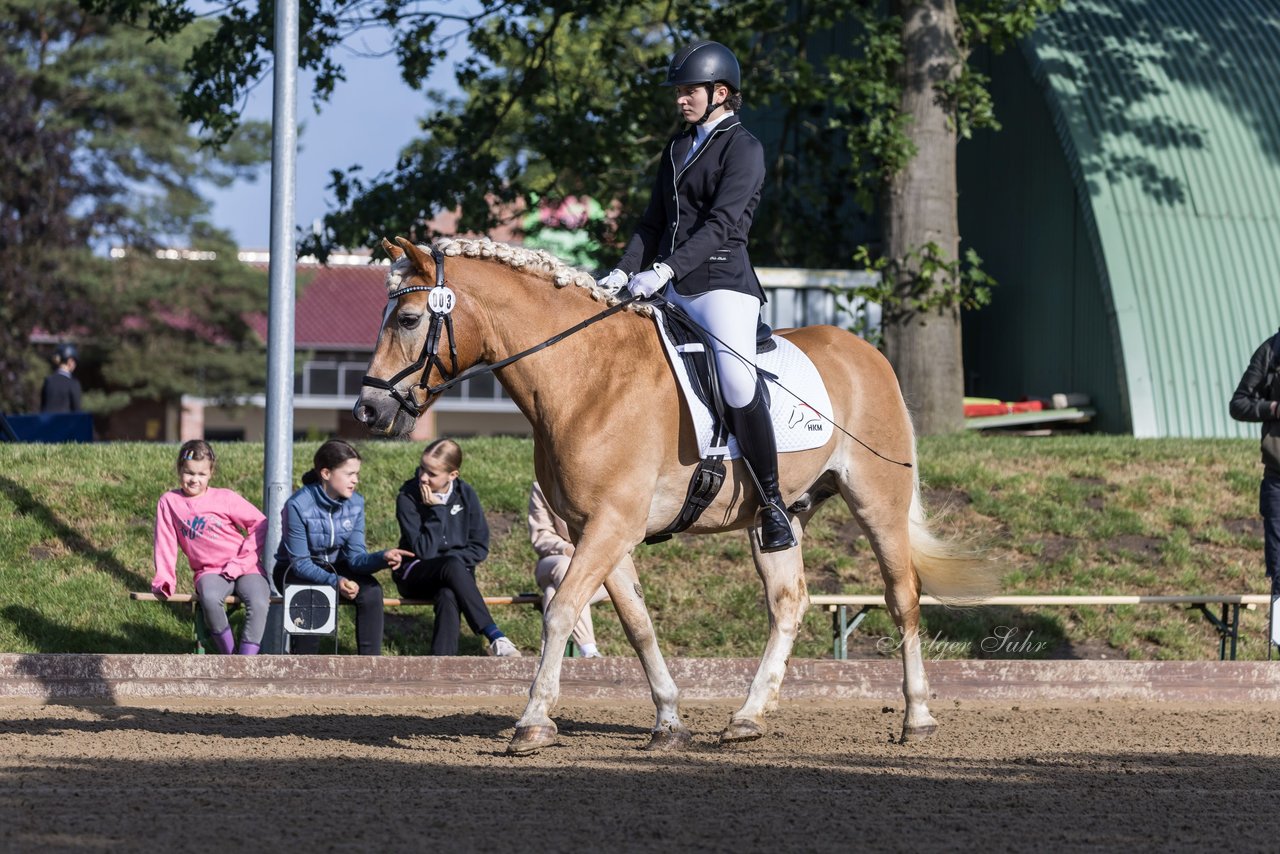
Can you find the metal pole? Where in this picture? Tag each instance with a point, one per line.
(1273, 625)
(278, 468)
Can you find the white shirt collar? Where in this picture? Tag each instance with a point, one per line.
(702, 131)
(446, 495)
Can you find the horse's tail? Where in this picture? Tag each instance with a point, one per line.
(952, 571)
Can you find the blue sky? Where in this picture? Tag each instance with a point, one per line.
(369, 118)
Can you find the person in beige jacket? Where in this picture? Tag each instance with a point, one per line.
(550, 538)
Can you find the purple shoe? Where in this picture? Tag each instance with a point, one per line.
(247, 648)
(224, 642)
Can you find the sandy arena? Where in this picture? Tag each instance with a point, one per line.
(406, 774)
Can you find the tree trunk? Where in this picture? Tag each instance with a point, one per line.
(920, 208)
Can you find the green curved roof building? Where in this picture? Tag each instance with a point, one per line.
(1130, 210)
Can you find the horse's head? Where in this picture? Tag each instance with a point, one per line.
(416, 345)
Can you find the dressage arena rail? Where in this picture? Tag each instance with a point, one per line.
(1227, 623)
(202, 634)
(125, 680)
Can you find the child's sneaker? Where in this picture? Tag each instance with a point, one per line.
(503, 648)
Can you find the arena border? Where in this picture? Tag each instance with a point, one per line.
(121, 678)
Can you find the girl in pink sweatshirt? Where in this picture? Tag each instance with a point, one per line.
(222, 536)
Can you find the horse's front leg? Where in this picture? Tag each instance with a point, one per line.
(593, 559)
(786, 597)
(669, 731)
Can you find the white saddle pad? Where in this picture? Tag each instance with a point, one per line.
(798, 401)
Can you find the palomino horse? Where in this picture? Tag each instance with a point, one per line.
(615, 448)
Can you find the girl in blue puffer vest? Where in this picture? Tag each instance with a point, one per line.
(322, 542)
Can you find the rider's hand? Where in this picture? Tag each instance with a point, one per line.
(612, 282)
(649, 282)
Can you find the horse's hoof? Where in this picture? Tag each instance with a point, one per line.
(667, 741)
(741, 730)
(917, 733)
(531, 739)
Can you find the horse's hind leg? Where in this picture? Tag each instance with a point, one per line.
(669, 732)
(889, 533)
(786, 597)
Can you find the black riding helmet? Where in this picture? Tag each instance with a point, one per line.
(704, 62)
(707, 63)
(64, 352)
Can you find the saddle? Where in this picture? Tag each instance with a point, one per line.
(696, 350)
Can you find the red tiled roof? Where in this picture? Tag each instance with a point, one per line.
(338, 308)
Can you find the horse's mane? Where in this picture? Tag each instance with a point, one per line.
(538, 261)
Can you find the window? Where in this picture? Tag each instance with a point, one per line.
(352, 375)
(322, 379)
(481, 387)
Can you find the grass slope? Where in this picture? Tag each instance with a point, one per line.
(1088, 514)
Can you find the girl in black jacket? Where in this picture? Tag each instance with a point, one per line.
(442, 523)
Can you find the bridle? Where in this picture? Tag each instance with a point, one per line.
(442, 323)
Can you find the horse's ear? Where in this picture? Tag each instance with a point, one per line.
(416, 255)
(394, 251)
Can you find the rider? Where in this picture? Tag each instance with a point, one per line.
(694, 235)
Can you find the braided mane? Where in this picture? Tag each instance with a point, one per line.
(537, 261)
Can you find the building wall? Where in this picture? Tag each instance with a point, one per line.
(1048, 328)
(249, 422)
(140, 421)
(1168, 115)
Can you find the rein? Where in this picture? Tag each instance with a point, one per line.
(430, 355)
(476, 370)
(442, 323)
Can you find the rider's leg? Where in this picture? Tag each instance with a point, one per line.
(731, 319)
(753, 426)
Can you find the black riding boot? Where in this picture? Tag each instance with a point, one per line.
(754, 428)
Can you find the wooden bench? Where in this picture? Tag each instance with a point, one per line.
(202, 636)
(1227, 623)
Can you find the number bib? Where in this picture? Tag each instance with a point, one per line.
(441, 300)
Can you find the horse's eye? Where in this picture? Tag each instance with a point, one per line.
(410, 321)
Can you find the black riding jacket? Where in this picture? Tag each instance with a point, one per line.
(60, 393)
(699, 213)
(1253, 396)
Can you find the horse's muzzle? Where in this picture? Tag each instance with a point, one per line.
(382, 414)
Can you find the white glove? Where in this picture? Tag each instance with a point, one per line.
(648, 283)
(613, 282)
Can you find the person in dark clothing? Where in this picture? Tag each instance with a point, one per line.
(443, 525)
(692, 242)
(1255, 399)
(61, 391)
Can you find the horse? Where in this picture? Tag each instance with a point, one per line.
(614, 449)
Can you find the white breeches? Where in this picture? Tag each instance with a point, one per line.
(731, 319)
